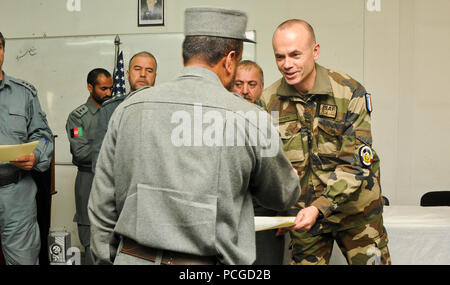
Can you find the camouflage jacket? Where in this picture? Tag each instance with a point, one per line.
(326, 134)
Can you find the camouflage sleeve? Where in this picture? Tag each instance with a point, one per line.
(38, 129)
(350, 173)
(79, 146)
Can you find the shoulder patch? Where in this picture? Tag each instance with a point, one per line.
(25, 84)
(80, 111)
(366, 155)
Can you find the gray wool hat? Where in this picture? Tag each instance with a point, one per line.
(215, 22)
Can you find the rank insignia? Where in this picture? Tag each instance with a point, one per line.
(76, 132)
(369, 105)
(329, 111)
(366, 155)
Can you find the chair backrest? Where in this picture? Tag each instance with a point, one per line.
(435, 198)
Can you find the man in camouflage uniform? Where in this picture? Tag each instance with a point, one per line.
(324, 123)
(81, 131)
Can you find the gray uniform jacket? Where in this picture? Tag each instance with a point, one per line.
(22, 120)
(85, 118)
(173, 193)
(104, 116)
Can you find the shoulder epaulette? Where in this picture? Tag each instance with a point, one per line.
(25, 84)
(80, 111)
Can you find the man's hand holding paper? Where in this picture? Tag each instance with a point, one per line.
(20, 155)
(305, 219)
(25, 162)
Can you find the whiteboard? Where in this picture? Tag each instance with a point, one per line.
(58, 68)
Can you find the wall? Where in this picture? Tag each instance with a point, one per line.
(405, 63)
(400, 54)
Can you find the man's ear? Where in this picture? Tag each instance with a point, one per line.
(90, 88)
(228, 63)
(316, 51)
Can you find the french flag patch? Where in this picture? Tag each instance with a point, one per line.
(369, 105)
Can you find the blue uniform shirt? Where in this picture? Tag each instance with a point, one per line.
(22, 120)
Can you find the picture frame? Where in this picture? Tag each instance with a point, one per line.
(150, 13)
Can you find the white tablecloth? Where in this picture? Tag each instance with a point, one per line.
(417, 235)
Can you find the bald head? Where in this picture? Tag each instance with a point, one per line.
(298, 24)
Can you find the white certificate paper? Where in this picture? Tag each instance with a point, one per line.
(11, 152)
(268, 223)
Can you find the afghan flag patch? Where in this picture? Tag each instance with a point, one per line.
(76, 132)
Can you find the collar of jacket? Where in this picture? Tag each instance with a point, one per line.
(93, 108)
(5, 81)
(322, 86)
(198, 71)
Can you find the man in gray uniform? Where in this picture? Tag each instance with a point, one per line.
(165, 193)
(81, 131)
(249, 83)
(21, 120)
(141, 73)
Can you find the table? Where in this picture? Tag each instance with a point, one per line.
(417, 236)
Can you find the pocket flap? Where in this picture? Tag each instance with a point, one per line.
(331, 127)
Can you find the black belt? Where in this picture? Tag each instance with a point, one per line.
(10, 179)
(131, 247)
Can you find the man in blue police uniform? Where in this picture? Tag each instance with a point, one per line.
(81, 131)
(21, 120)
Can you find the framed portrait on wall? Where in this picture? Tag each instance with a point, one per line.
(151, 13)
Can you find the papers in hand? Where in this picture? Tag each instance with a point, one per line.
(268, 223)
(11, 152)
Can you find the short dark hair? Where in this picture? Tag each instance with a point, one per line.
(95, 73)
(143, 53)
(210, 49)
(2, 39)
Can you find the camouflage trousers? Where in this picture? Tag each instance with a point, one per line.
(366, 245)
